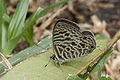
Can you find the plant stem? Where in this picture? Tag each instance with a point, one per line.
(9, 65)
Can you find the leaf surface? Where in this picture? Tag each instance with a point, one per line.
(34, 67)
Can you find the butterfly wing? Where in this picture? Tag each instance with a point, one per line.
(88, 37)
(64, 33)
(70, 42)
(87, 33)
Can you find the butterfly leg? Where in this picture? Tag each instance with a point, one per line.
(57, 62)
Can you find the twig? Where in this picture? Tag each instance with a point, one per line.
(110, 44)
(50, 20)
(6, 61)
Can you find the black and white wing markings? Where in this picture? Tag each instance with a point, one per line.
(70, 42)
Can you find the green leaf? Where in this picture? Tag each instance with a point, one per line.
(3, 25)
(34, 67)
(6, 18)
(10, 45)
(28, 28)
(99, 73)
(15, 26)
(101, 61)
(34, 17)
(44, 11)
(17, 58)
(99, 37)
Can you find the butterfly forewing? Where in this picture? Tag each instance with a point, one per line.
(70, 42)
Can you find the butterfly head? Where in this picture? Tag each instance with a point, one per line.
(54, 58)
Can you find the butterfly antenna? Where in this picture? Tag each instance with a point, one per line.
(50, 52)
(47, 63)
(59, 65)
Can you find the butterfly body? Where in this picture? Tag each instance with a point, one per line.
(70, 42)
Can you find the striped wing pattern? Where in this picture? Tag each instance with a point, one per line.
(70, 42)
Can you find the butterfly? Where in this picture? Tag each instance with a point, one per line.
(70, 42)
